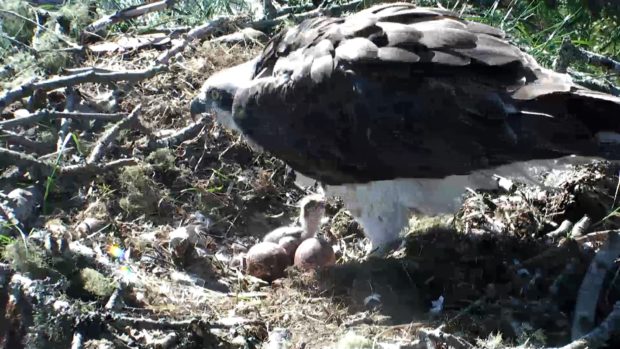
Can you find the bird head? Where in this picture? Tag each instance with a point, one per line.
(312, 211)
(217, 94)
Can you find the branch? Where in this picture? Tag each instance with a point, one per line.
(121, 321)
(600, 335)
(285, 10)
(437, 336)
(50, 114)
(587, 298)
(110, 134)
(178, 137)
(169, 31)
(54, 155)
(65, 123)
(11, 157)
(80, 78)
(125, 14)
(95, 169)
(590, 82)
(570, 53)
(199, 32)
(12, 137)
(19, 43)
(242, 21)
(41, 169)
(335, 10)
(243, 37)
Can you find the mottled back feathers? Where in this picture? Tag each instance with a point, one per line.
(397, 91)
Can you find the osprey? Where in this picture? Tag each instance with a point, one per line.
(398, 108)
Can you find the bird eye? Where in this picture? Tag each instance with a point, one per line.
(215, 94)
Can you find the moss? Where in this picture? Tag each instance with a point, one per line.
(162, 159)
(142, 194)
(95, 283)
(14, 26)
(25, 67)
(354, 341)
(29, 260)
(77, 14)
(51, 59)
(420, 225)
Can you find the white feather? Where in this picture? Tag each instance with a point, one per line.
(383, 208)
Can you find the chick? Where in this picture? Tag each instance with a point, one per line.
(311, 213)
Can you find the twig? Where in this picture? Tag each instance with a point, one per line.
(595, 236)
(127, 13)
(12, 137)
(94, 169)
(172, 32)
(118, 340)
(262, 25)
(243, 22)
(594, 84)
(285, 10)
(144, 323)
(43, 169)
(78, 341)
(197, 33)
(19, 43)
(49, 114)
(110, 134)
(178, 137)
(587, 298)
(11, 157)
(243, 37)
(70, 80)
(570, 53)
(335, 10)
(438, 336)
(601, 334)
(87, 69)
(65, 123)
(53, 155)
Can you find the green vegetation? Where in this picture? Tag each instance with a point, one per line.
(142, 194)
(96, 283)
(30, 259)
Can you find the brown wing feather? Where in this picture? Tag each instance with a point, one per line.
(432, 35)
(379, 95)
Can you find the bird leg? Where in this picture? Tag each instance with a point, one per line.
(383, 224)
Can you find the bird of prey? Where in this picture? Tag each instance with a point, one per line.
(398, 108)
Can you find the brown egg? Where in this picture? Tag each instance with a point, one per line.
(314, 252)
(267, 261)
(289, 244)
